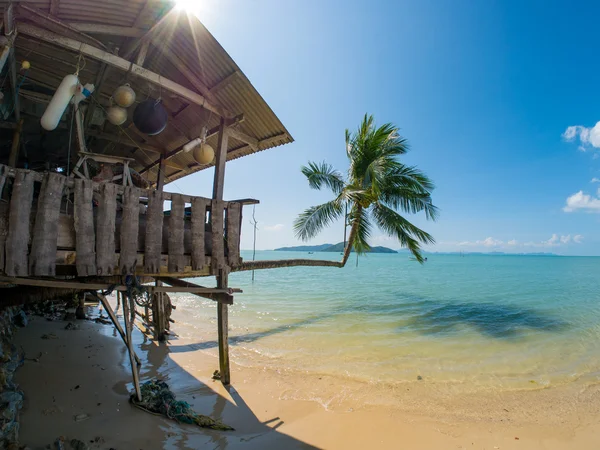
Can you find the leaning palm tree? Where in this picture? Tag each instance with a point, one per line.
(376, 187)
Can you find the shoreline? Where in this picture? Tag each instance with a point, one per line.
(269, 409)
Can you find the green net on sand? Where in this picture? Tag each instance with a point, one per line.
(157, 398)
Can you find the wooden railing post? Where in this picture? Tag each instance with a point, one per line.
(218, 250)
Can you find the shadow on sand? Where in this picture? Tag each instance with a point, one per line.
(222, 403)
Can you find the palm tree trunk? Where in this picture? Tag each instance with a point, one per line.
(258, 265)
(353, 231)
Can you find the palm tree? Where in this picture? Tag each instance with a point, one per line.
(376, 187)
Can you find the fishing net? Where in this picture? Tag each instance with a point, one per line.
(157, 398)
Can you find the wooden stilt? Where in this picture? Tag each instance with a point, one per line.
(158, 315)
(223, 330)
(128, 329)
(116, 323)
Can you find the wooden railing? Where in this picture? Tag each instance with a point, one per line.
(49, 221)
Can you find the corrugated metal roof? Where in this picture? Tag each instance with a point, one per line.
(182, 50)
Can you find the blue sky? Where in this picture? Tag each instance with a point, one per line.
(485, 92)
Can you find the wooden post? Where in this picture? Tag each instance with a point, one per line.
(158, 315)
(128, 329)
(221, 158)
(113, 319)
(16, 145)
(223, 330)
(223, 274)
(160, 177)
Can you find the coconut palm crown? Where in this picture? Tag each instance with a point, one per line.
(377, 190)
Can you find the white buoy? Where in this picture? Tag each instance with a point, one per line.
(59, 102)
(116, 115)
(124, 96)
(204, 154)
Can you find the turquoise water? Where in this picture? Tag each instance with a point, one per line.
(514, 322)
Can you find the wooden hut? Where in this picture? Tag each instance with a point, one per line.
(82, 206)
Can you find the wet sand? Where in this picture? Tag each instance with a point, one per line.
(86, 371)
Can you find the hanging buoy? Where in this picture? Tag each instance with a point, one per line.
(204, 154)
(59, 102)
(124, 96)
(150, 117)
(116, 115)
(25, 65)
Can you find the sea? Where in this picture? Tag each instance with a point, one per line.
(474, 322)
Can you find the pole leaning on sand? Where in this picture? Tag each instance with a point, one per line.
(128, 329)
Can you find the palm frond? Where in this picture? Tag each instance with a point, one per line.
(360, 216)
(395, 225)
(410, 201)
(323, 174)
(312, 221)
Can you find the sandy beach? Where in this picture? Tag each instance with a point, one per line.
(79, 389)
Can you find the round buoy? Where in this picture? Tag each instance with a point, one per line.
(204, 154)
(25, 65)
(124, 96)
(116, 115)
(150, 117)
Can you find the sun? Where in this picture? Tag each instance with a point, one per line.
(192, 6)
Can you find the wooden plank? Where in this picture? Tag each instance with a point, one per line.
(85, 241)
(2, 178)
(119, 63)
(198, 227)
(176, 227)
(16, 145)
(18, 225)
(129, 231)
(103, 286)
(225, 298)
(218, 246)
(42, 259)
(223, 331)
(106, 258)
(154, 232)
(234, 225)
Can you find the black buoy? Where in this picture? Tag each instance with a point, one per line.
(150, 117)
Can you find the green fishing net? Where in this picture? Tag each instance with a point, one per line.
(157, 398)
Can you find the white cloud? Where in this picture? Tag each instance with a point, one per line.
(556, 240)
(277, 227)
(595, 180)
(582, 202)
(487, 242)
(587, 136)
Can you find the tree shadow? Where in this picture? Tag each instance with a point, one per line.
(223, 403)
(492, 320)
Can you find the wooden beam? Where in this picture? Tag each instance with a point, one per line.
(115, 322)
(209, 134)
(128, 329)
(182, 67)
(220, 160)
(147, 37)
(224, 298)
(54, 5)
(52, 23)
(243, 137)
(141, 57)
(16, 145)
(111, 30)
(105, 286)
(120, 63)
(9, 30)
(225, 82)
(223, 331)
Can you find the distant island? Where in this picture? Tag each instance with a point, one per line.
(339, 247)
